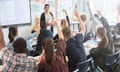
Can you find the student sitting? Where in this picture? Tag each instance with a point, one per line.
(64, 23)
(100, 53)
(17, 61)
(13, 34)
(74, 48)
(48, 60)
(117, 37)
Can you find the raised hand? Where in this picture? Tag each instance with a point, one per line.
(88, 4)
(65, 12)
(119, 9)
(55, 24)
(99, 13)
(76, 13)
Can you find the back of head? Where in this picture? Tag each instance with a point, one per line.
(101, 31)
(66, 32)
(12, 33)
(19, 45)
(83, 17)
(103, 35)
(48, 47)
(64, 23)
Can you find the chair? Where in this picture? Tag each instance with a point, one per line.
(87, 66)
(110, 60)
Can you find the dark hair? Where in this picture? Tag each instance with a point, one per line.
(66, 32)
(104, 42)
(12, 33)
(19, 45)
(46, 5)
(43, 24)
(48, 46)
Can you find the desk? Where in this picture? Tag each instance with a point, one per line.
(89, 45)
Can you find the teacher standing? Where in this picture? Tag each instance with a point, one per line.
(47, 17)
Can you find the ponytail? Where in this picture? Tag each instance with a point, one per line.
(104, 39)
(49, 50)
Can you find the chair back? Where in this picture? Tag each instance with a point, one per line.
(112, 58)
(85, 66)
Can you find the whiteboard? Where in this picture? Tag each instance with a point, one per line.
(14, 12)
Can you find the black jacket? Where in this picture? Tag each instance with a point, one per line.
(42, 18)
(100, 55)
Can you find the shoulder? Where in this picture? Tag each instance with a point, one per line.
(43, 13)
(79, 36)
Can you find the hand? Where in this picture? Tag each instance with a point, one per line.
(55, 24)
(65, 11)
(88, 4)
(76, 13)
(52, 22)
(99, 13)
(119, 9)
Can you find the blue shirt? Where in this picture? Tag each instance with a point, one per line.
(27, 38)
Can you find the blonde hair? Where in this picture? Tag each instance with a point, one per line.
(64, 23)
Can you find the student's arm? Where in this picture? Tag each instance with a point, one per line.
(109, 33)
(90, 11)
(30, 36)
(67, 17)
(60, 34)
(82, 28)
(118, 15)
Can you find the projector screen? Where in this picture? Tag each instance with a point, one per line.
(14, 12)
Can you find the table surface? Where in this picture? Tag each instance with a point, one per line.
(89, 45)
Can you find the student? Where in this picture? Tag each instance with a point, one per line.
(17, 61)
(74, 48)
(13, 34)
(47, 17)
(101, 52)
(52, 58)
(88, 31)
(109, 33)
(104, 23)
(48, 60)
(64, 23)
(44, 33)
(95, 22)
(117, 37)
